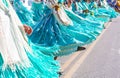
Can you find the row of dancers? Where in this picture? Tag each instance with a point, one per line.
(31, 36)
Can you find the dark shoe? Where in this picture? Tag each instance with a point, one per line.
(80, 48)
(60, 73)
(55, 58)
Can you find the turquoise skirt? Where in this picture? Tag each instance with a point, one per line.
(48, 32)
(41, 66)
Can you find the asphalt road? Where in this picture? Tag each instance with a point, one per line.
(102, 60)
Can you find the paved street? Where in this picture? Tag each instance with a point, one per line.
(101, 59)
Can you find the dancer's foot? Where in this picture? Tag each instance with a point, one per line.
(60, 73)
(55, 58)
(80, 48)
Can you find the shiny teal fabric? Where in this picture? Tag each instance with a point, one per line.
(42, 66)
(105, 10)
(37, 10)
(48, 32)
(23, 13)
(92, 14)
(61, 1)
(91, 28)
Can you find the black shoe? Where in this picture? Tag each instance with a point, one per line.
(80, 48)
(60, 73)
(55, 58)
